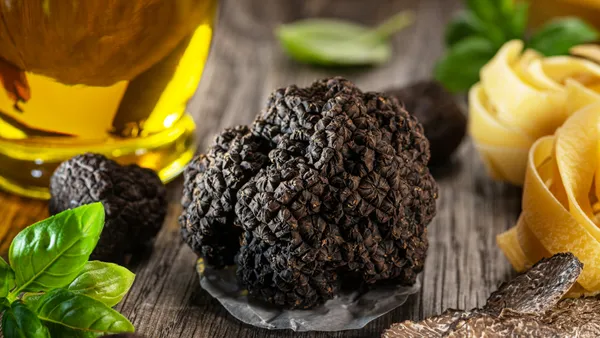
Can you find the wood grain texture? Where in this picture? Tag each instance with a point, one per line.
(464, 264)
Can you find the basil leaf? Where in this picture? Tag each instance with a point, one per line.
(506, 7)
(31, 298)
(80, 312)
(57, 330)
(330, 42)
(7, 278)
(557, 37)
(105, 282)
(462, 26)
(459, 69)
(4, 304)
(20, 321)
(518, 21)
(486, 10)
(51, 253)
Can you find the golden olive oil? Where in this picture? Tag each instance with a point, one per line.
(142, 120)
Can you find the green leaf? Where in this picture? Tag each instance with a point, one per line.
(557, 37)
(462, 26)
(506, 7)
(459, 69)
(7, 278)
(31, 298)
(330, 42)
(80, 312)
(518, 21)
(503, 20)
(20, 321)
(51, 253)
(4, 304)
(57, 330)
(105, 282)
(486, 10)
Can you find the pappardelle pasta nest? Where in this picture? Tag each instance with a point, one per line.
(523, 96)
(561, 200)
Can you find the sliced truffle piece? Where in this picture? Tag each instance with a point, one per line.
(432, 327)
(437, 110)
(579, 316)
(509, 324)
(134, 199)
(527, 306)
(575, 318)
(571, 318)
(538, 289)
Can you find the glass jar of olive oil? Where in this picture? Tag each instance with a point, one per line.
(103, 76)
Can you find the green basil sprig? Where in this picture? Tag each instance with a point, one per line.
(332, 42)
(475, 35)
(50, 289)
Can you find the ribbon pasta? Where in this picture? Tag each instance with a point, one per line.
(561, 200)
(523, 96)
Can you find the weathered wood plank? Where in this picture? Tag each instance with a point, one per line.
(464, 264)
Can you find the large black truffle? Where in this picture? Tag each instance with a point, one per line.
(134, 199)
(328, 185)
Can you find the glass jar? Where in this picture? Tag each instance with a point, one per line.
(543, 10)
(109, 77)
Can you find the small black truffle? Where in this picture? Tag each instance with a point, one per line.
(134, 199)
(437, 110)
(330, 184)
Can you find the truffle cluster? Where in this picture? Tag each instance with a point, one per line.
(134, 200)
(328, 185)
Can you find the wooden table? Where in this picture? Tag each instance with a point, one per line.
(464, 265)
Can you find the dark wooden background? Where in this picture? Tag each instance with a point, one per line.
(464, 265)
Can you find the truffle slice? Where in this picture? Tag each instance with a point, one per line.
(431, 327)
(527, 306)
(509, 324)
(578, 316)
(538, 289)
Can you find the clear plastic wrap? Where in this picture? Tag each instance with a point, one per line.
(348, 311)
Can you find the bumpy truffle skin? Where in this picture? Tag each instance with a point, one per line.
(134, 200)
(334, 186)
(209, 195)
